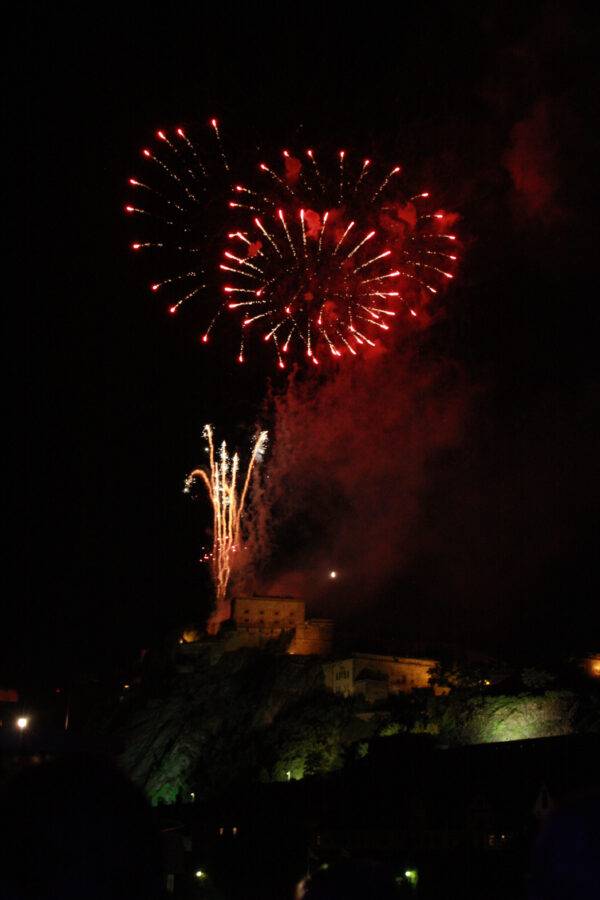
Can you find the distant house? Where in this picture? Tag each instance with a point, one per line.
(375, 677)
(9, 695)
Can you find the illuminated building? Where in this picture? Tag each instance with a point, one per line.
(258, 619)
(375, 677)
(314, 637)
(268, 616)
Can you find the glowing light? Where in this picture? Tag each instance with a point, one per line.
(333, 574)
(215, 126)
(412, 876)
(294, 254)
(228, 501)
(22, 723)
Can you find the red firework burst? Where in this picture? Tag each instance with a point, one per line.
(318, 257)
(328, 260)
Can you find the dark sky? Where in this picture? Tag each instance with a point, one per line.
(107, 396)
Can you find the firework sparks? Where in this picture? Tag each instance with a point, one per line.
(309, 246)
(227, 490)
(325, 245)
(173, 208)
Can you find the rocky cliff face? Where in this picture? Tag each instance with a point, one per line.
(248, 714)
(203, 720)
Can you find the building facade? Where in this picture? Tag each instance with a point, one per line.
(258, 619)
(375, 677)
(314, 637)
(268, 616)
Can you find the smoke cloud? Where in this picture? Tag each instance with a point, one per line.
(532, 162)
(352, 458)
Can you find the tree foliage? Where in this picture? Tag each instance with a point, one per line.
(249, 715)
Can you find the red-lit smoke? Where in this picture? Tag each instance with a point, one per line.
(351, 466)
(532, 162)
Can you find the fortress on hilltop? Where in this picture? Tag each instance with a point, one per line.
(259, 619)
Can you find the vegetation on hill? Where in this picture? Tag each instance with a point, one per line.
(193, 731)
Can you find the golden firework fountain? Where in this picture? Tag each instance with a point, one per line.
(228, 494)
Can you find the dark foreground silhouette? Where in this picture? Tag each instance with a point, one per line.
(76, 828)
(350, 880)
(566, 861)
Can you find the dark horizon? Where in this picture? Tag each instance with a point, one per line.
(110, 394)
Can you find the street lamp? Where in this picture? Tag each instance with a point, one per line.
(22, 722)
(412, 876)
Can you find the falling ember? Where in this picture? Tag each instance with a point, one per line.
(215, 126)
(228, 495)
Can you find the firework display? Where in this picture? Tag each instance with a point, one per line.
(179, 208)
(324, 258)
(227, 490)
(317, 256)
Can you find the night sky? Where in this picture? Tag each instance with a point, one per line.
(494, 103)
